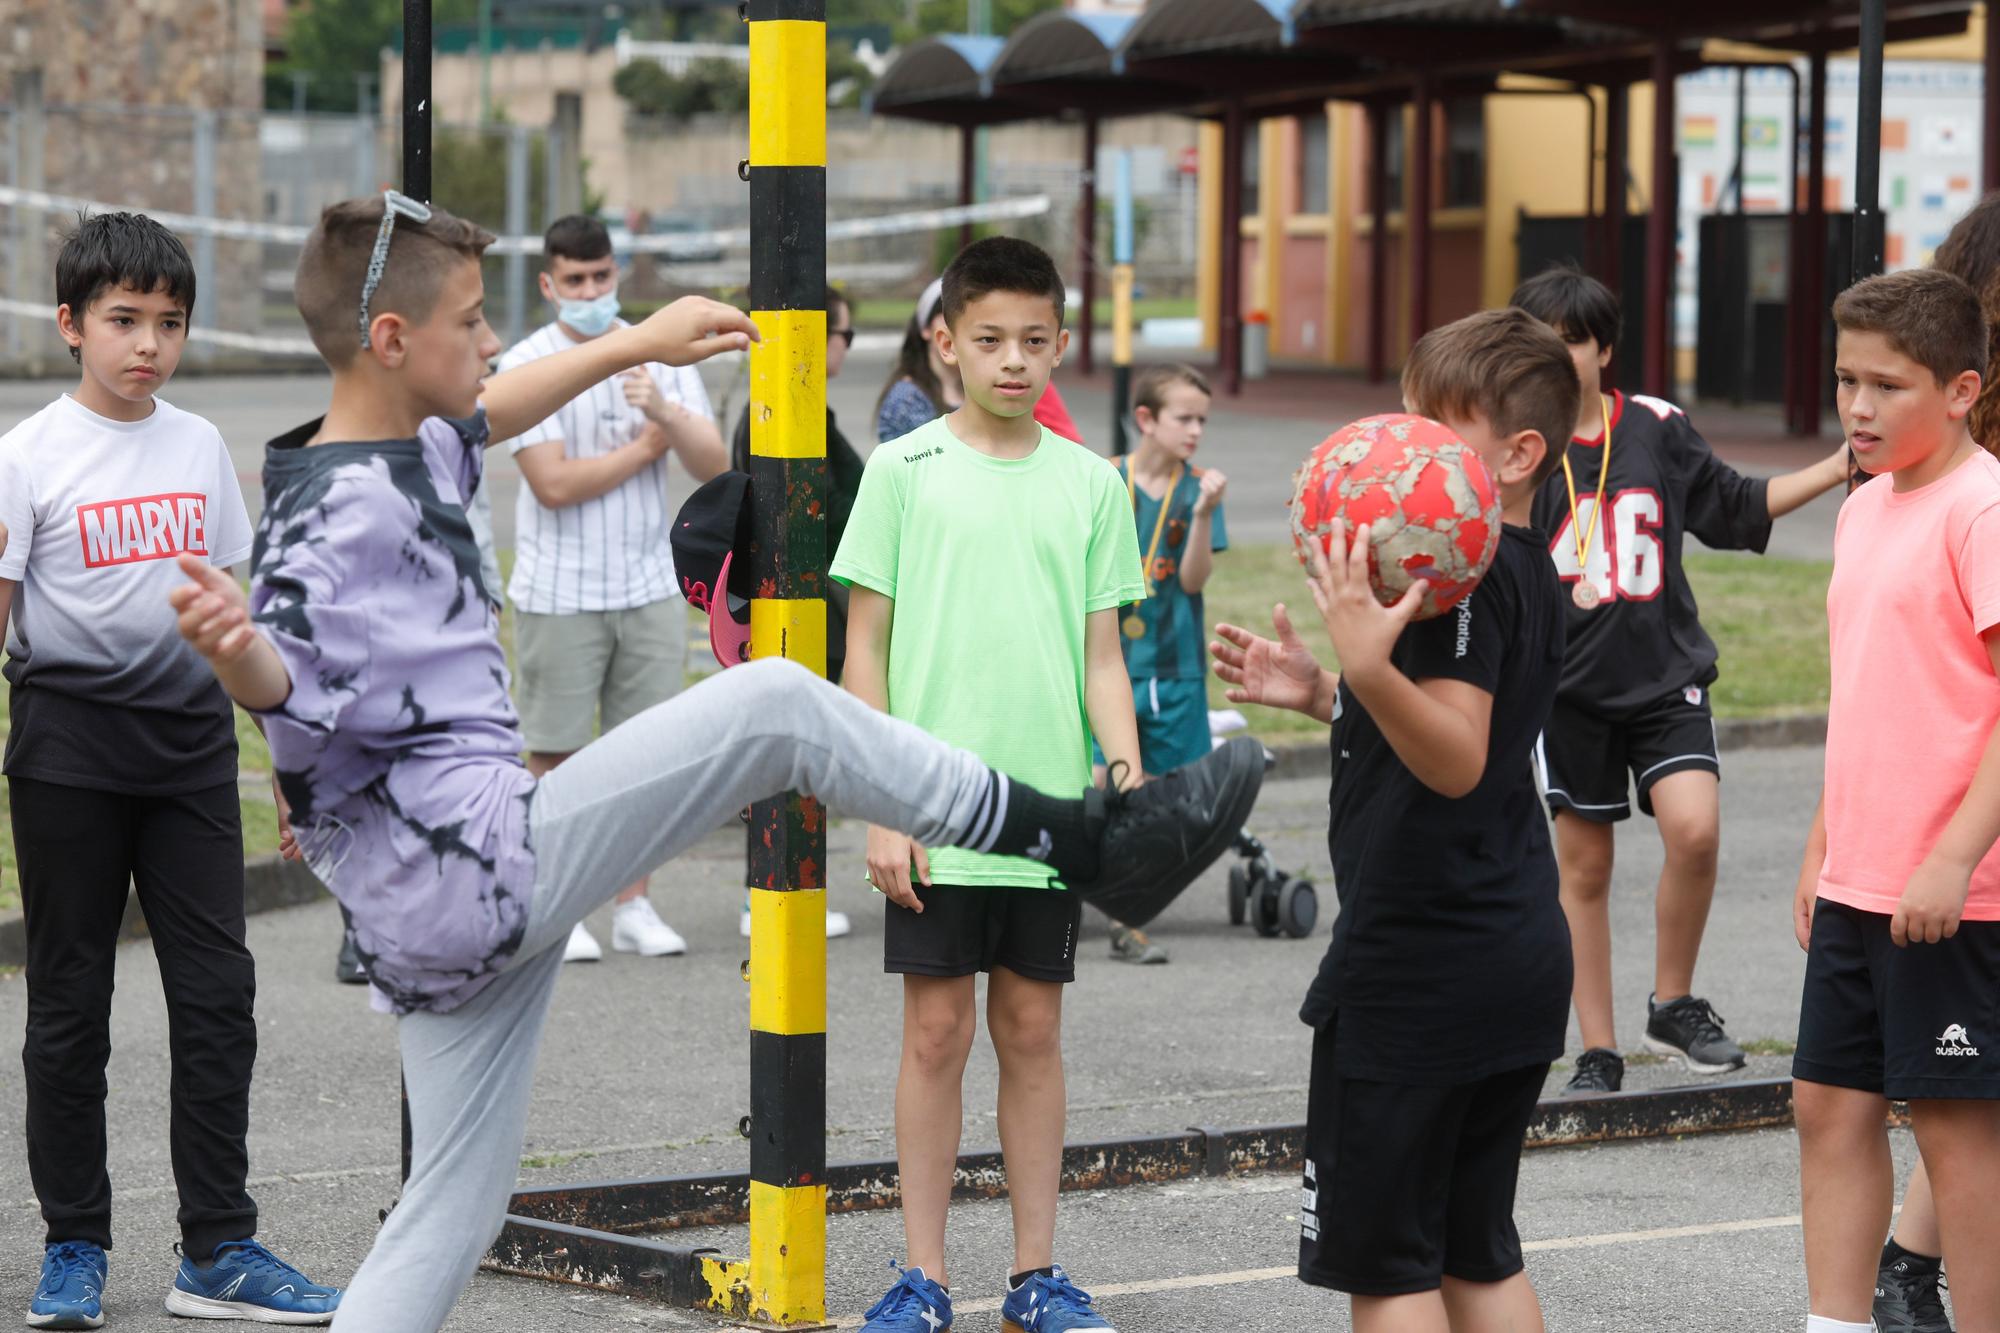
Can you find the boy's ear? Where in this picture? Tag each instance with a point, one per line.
(1144, 417)
(388, 340)
(1604, 356)
(1525, 452)
(947, 349)
(70, 325)
(547, 285)
(1062, 345)
(1961, 394)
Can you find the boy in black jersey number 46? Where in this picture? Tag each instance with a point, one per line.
(1633, 707)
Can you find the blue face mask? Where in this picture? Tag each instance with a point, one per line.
(590, 318)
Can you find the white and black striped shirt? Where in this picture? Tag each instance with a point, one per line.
(610, 553)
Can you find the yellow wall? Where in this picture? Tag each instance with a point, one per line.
(1208, 267)
(1535, 160)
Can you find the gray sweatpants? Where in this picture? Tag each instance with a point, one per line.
(613, 813)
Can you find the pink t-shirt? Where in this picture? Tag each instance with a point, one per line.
(1916, 581)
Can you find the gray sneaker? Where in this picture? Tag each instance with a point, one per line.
(1132, 945)
(1691, 1029)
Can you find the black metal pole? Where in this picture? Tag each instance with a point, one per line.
(416, 184)
(417, 99)
(1868, 222)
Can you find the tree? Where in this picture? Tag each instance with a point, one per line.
(708, 85)
(332, 42)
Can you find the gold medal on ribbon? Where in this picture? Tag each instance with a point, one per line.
(1585, 593)
(1133, 625)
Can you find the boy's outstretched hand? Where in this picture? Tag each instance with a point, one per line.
(214, 614)
(1364, 631)
(1278, 673)
(693, 329)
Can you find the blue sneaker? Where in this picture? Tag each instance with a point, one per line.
(914, 1305)
(71, 1292)
(1049, 1305)
(247, 1281)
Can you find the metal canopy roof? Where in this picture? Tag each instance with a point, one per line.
(1194, 56)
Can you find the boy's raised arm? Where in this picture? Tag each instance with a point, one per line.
(1792, 489)
(214, 616)
(691, 329)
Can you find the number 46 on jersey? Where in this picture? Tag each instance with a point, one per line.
(1625, 558)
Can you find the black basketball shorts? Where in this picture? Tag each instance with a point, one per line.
(1589, 764)
(965, 929)
(1407, 1184)
(1922, 1021)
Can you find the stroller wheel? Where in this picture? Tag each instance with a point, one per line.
(1298, 908)
(1239, 894)
(1264, 904)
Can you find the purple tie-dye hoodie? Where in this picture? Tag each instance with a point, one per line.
(398, 748)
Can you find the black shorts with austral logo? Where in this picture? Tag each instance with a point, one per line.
(1922, 1021)
(967, 929)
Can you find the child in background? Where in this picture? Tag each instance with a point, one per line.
(1177, 509)
(1634, 708)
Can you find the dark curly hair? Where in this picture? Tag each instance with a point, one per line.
(1972, 253)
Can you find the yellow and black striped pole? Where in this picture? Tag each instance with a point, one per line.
(787, 856)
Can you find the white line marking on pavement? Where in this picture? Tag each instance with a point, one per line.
(1290, 1272)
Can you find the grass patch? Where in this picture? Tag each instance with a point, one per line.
(1768, 618)
(1770, 1046)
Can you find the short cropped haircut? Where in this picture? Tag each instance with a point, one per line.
(1573, 303)
(577, 236)
(1149, 390)
(113, 250)
(1504, 365)
(1928, 315)
(333, 265)
(1000, 264)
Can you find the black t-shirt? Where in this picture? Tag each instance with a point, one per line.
(1643, 641)
(77, 742)
(843, 474)
(1450, 957)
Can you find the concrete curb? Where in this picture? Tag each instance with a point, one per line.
(268, 884)
(1298, 760)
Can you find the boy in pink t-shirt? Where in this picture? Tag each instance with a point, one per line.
(1898, 903)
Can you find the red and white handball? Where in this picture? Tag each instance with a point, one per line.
(1431, 506)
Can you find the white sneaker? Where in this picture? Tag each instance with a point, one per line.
(582, 947)
(637, 928)
(837, 924)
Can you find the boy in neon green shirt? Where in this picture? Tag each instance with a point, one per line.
(987, 559)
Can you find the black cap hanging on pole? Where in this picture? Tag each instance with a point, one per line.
(417, 99)
(1869, 229)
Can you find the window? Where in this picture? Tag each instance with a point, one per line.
(1312, 181)
(1465, 154)
(1253, 143)
(1392, 175)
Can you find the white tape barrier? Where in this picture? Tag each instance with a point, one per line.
(737, 238)
(270, 344)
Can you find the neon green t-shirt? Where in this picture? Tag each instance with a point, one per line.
(993, 565)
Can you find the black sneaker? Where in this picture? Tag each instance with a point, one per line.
(1691, 1029)
(347, 969)
(1907, 1300)
(1599, 1069)
(1157, 838)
